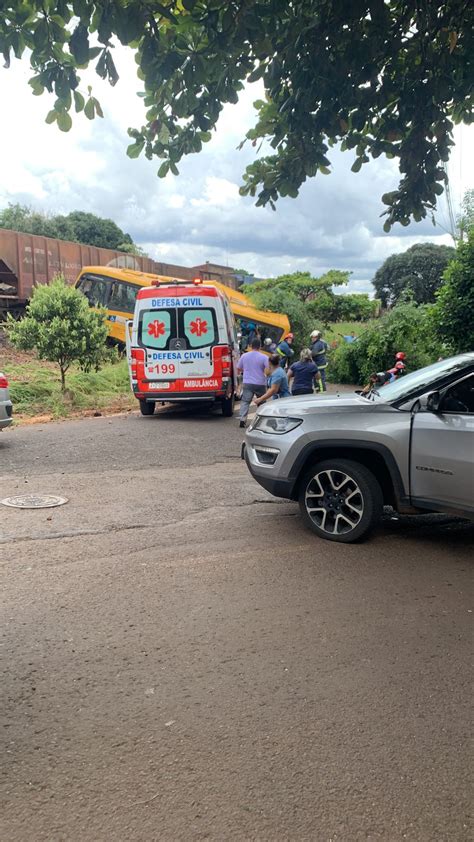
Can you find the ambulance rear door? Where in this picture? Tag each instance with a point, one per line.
(157, 334)
(198, 322)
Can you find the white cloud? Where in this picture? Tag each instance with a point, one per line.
(334, 223)
(218, 193)
(175, 201)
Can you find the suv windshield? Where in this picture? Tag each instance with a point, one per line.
(422, 378)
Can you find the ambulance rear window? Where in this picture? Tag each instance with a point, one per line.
(199, 327)
(155, 328)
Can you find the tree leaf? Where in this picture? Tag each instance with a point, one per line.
(164, 134)
(134, 150)
(256, 74)
(98, 107)
(79, 101)
(64, 121)
(164, 169)
(89, 109)
(52, 116)
(111, 69)
(37, 86)
(79, 44)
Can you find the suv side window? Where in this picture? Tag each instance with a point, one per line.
(459, 398)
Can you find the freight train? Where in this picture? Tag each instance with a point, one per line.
(29, 259)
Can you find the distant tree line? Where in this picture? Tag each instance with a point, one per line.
(77, 227)
(310, 302)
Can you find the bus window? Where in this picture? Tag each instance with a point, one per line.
(268, 332)
(96, 290)
(123, 297)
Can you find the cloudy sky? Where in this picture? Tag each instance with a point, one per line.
(334, 223)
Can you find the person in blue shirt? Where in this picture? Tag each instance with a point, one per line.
(348, 337)
(277, 381)
(285, 351)
(302, 374)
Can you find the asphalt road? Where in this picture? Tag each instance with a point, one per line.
(181, 660)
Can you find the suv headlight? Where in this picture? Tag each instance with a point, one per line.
(275, 424)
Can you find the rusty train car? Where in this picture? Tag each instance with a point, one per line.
(28, 259)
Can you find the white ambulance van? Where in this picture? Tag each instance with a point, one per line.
(182, 346)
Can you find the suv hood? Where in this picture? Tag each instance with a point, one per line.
(306, 405)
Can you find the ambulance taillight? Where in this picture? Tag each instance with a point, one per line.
(137, 364)
(222, 354)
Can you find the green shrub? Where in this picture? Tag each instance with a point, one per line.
(406, 328)
(453, 314)
(60, 327)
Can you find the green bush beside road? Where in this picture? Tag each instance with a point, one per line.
(405, 328)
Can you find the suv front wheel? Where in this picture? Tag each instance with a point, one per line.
(340, 500)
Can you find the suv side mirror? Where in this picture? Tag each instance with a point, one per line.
(431, 402)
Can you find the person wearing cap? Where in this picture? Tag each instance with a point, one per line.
(285, 351)
(269, 345)
(319, 349)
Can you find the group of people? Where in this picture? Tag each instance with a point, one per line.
(273, 377)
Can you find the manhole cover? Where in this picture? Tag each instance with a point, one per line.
(34, 501)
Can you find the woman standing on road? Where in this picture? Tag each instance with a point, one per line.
(302, 374)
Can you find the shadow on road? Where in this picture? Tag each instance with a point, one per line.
(438, 528)
(194, 412)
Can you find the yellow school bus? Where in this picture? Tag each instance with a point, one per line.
(116, 289)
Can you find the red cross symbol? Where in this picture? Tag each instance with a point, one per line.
(156, 329)
(198, 327)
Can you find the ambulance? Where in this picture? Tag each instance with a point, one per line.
(182, 346)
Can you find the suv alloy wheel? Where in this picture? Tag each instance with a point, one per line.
(340, 500)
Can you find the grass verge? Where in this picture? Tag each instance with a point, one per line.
(35, 388)
(337, 330)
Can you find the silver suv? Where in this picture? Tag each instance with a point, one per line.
(5, 403)
(343, 457)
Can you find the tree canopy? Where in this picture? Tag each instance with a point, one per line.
(453, 314)
(417, 271)
(300, 284)
(78, 226)
(380, 77)
(309, 302)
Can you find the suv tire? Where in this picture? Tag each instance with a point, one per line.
(340, 500)
(147, 407)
